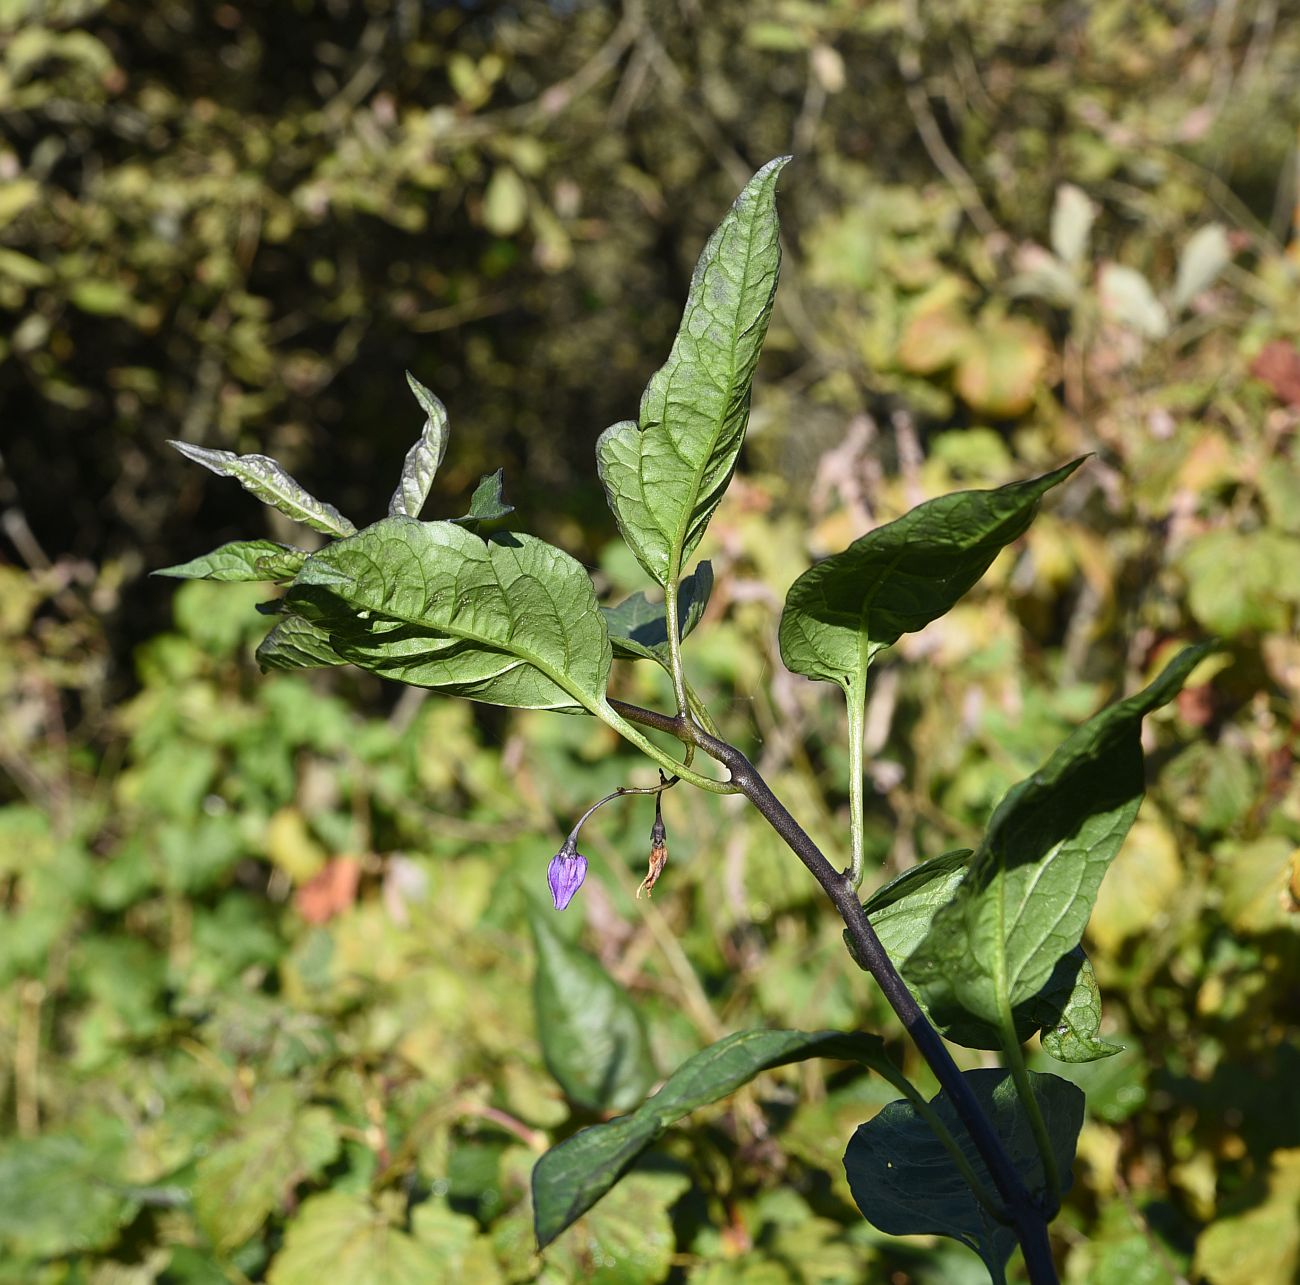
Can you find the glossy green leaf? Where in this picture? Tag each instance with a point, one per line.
(263, 477)
(296, 643)
(509, 621)
(665, 473)
(487, 504)
(1068, 1008)
(572, 1176)
(279, 1143)
(906, 1184)
(241, 560)
(1027, 893)
(424, 458)
(590, 1030)
(638, 628)
(901, 576)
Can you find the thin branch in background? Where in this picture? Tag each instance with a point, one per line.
(918, 102)
(27, 1058)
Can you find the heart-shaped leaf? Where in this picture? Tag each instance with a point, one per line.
(906, 1184)
(572, 1176)
(509, 621)
(665, 473)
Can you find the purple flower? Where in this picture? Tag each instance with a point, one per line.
(565, 874)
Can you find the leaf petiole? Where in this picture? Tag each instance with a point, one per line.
(855, 696)
(1014, 1055)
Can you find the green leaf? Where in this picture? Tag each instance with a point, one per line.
(1068, 1008)
(1072, 217)
(665, 473)
(58, 1195)
(572, 1176)
(280, 1143)
(1027, 893)
(1068, 1012)
(1259, 1240)
(263, 477)
(638, 628)
(512, 621)
(1205, 255)
(906, 1184)
(487, 504)
(591, 1032)
(629, 1240)
(337, 1236)
(241, 560)
(296, 643)
(1127, 298)
(424, 458)
(901, 576)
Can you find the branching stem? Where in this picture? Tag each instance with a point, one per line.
(1023, 1214)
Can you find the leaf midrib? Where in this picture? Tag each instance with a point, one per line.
(687, 510)
(491, 644)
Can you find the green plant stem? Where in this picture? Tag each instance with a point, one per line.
(608, 713)
(701, 710)
(1022, 1212)
(856, 697)
(675, 648)
(1014, 1053)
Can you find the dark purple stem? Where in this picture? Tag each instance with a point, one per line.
(1023, 1213)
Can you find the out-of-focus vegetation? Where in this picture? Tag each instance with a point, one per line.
(265, 982)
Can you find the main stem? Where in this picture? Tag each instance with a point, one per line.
(1023, 1213)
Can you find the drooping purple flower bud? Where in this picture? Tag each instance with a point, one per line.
(565, 874)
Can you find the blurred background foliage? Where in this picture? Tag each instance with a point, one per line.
(265, 973)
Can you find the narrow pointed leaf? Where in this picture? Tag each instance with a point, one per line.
(487, 504)
(665, 473)
(509, 621)
(296, 643)
(591, 1032)
(241, 560)
(1068, 1008)
(906, 1184)
(1027, 893)
(901, 576)
(638, 628)
(263, 477)
(572, 1176)
(424, 458)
